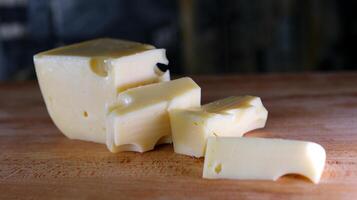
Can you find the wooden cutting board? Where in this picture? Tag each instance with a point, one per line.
(38, 162)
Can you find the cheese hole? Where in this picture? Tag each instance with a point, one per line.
(162, 67)
(85, 114)
(98, 66)
(293, 176)
(218, 168)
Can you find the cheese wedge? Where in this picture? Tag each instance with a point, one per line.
(80, 82)
(262, 159)
(232, 116)
(140, 119)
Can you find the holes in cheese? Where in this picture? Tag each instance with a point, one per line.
(85, 114)
(262, 159)
(140, 117)
(232, 116)
(218, 168)
(98, 66)
(88, 76)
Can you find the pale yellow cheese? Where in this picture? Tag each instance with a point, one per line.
(233, 116)
(262, 159)
(80, 82)
(140, 118)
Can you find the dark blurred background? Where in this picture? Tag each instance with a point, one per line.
(201, 36)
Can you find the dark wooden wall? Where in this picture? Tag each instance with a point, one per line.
(201, 36)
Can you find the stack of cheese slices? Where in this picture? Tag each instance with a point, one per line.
(112, 92)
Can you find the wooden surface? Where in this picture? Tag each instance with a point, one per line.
(38, 162)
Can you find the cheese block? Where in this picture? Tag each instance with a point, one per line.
(262, 159)
(140, 118)
(232, 116)
(80, 82)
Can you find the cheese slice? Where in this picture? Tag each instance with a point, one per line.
(140, 118)
(80, 82)
(262, 159)
(232, 116)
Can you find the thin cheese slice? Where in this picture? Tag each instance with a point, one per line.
(262, 159)
(232, 116)
(140, 119)
(80, 82)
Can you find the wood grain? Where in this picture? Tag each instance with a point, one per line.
(38, 162)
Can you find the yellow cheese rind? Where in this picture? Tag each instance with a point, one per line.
(80, 82)
(140, 120)
(262, 159)
(232, 116)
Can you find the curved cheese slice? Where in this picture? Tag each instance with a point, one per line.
(80, 82)
(262, 159)
(140, 118)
